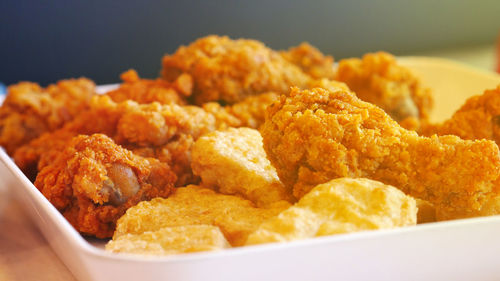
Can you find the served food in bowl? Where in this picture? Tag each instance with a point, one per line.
(238, 144)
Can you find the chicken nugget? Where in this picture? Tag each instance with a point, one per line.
(234, 162)
(193, 205)
(339, 206)
(171, 240)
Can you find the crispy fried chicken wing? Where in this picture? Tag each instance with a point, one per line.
(230, 70)
(310, 60)
(94, 181)
(478, 118)
(166, 131)
(378, 79)
(30, 110)
(148, 91)
(317, 135)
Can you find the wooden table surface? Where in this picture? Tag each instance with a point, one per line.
(25, 254)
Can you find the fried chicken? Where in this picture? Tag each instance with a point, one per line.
(378, 79)
(148, 91)
(478, 118)
(230, 70)
(194, 205)
(341, 205)
(30, 110)
(94, 181)
(166, 132)
(234, 162)
(314, 136)
(310, 60)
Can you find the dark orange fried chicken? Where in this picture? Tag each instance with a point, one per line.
(310, 60)
(166, 132)
(478, 118)
(148, 91)
(230, 70)
(30, 110)
(378, 79)
(94, 181)
(314, 136)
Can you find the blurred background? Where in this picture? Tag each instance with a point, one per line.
(44, 41)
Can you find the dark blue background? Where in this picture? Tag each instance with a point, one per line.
(44, 41)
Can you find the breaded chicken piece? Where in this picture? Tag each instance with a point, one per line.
(378, 79)
(234, 162)
(170, 241)
(102, 117)
(249, 112)
(341, 205)
(314, 136)
(30, 110)
(478, 118)
(148, 91)
(310, 60)
(154, 130)
(94, 181)
(426, 211)
(230, 70)
(194, 205)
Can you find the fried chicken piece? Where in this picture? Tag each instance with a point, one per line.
(310, 60)
(170, 241)
(426, 211)
(165, 131)
(234, 162)
(30, 110)
(230, 70)
(341, 205)
(102, 117)
(378, 79)
(148, 91)
(317, 135)
(194, 205)
(94, 181)
(478, 118)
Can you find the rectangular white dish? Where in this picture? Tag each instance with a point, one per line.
(454, 250)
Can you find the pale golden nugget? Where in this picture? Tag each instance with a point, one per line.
(170, 241)
(234, 162)
(339, 206)
(236, 217)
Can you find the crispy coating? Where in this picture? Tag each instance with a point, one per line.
(148, 91)
(478, 118)
(166, 131)
(310, 60)
(194, 205)
(94, 181)
(170, 241)
(102, 117)
(234, 162)
(249, 112)
(341, 205)
(378, 79)
(317, 135)
(230, 70)
(30, 110)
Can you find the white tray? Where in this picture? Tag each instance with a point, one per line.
(454, 250)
